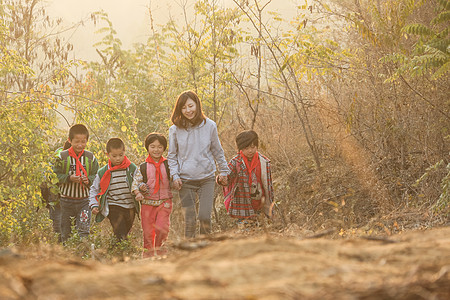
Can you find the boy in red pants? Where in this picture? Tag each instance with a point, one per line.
(151, 185)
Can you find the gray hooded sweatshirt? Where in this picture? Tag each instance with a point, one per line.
(193, 152)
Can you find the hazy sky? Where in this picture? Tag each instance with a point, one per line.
(130, 18)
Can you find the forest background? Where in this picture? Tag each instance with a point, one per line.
(349, 97)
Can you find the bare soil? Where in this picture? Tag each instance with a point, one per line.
(298, 265)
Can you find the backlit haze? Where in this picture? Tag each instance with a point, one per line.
(131, 19)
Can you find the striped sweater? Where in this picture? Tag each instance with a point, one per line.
(118, 192)
(65, 167)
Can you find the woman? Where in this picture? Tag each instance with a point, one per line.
(194, 149)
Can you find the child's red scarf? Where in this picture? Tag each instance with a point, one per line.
(255, 165)
(158, 175)
(78, 166)
(106, 179)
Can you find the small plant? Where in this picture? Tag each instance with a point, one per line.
(443, 202)
(74, 241)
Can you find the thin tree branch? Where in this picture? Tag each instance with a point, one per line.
(423, 97)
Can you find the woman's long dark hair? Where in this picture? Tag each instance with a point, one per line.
(177, 116)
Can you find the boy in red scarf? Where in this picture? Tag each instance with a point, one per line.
(110, 195)
(151, 185)
(249, 189)
(75, 169)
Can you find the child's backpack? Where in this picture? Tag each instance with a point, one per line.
(143, 168)
(47, 194)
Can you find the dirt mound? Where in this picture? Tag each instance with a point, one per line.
(414, 265)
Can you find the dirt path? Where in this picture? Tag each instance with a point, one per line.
(414, 265)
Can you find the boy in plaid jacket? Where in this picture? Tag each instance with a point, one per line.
(249, 189)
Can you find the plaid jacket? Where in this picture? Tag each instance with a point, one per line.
(240, 205)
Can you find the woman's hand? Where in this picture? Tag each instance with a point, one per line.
(177, 183)
(223, 180)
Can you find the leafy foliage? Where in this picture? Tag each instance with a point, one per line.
(205, 50)
(27, 119)
(431, 53)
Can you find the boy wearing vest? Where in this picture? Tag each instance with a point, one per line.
(151, 185)
(75, 169)
(249, 188)
(110, 195)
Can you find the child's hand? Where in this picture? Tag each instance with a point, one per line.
(139, 196)
(144, 188)
(95, 210)
(84, 179)
(177, 183)
(75, 178)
